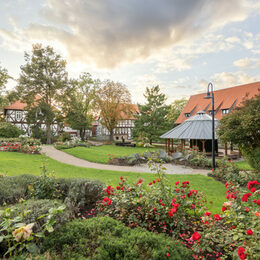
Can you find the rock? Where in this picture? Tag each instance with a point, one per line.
(176, 155)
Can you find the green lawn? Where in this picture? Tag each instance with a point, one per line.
(100, 154)
(18, 163)
(243, 165)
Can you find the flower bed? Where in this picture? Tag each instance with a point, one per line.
(179, 212)
(23, 145)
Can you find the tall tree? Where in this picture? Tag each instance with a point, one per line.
(175, 110)
(242, 127)
(152, 120)
(42, 82)
(3, 80)
(111, 99)
(78, 103)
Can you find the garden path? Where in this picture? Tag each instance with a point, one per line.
(69, 159)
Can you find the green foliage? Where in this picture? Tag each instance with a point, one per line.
(64, 137)
(21, 140)
(241, 127)
(152, 121)
(105, 238)
(159, 206)
(3, 80)
(8, 130)
(42, 82)
(17, 224)
(231, 173)
(45, 185)
(14, 188)
(78, 102)
(176, 108)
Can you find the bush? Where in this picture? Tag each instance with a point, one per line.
(254, 158)
(14, 188)
(105, 238)
(79, 194)
(23, 226)
(157, 206)
(230, 172)
(64, 137)
(8, 130)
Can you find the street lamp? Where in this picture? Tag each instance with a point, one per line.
(208, 96)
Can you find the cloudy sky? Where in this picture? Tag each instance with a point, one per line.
(179, 44)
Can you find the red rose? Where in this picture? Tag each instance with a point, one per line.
(249, 232)
(251, 184)
(153, 181)
(185, 183)
(170, 213)
(246, 196)
(154, 209)
(168, 254)
(108, 200)
(258, 202)
(241, 254)
(196, 236)
(150, 183)
(163, 204)
(253, 190)
(117, 187)
(224, 209)
(139, 182)
(177, 182)
(217, 217)
(226, 185)
(208, 213)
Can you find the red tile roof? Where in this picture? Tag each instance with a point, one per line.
(224, 99)
(19, 105)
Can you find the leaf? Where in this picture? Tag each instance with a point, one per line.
(49, 228)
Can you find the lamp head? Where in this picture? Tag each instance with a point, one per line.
(208, 96)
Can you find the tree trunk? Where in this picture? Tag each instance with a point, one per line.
(48, 133)
(111, 137)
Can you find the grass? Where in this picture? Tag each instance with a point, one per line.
(99, 154)
(17, 163)
(243, 165)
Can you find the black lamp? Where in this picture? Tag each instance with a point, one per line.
(208, 96)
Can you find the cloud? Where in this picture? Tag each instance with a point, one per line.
(247, 63)
(229, 79)
(111, 32)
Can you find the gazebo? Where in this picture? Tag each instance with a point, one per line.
(197, 130)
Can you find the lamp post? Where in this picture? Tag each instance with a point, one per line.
(208, 96)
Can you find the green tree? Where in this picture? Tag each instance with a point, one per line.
(78, 103)
(42, 83)
(175, 110)
(242, 127)
(152, 120)
(111, 99)
(3, 99)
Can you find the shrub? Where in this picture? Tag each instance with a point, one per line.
(230, 172)
(13, 188)
(254, 158)
(18, 222)
(64, 137)
(158, 206)
(8, 130)
(105, 238)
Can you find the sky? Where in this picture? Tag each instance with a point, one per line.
(180, 45)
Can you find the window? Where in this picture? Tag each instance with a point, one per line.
(210, 112)
(225, 111)
(187, 114)
(18, 115)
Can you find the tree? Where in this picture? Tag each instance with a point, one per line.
(152, 120)
(111, 99)
(42, 82)
(78, 103)
(175, 110)
(242, 127)
(3, 80)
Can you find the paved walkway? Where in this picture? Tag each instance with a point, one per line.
(69, 159)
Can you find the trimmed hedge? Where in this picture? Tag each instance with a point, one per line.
(8, 130)
(81, 194)
(106, 238)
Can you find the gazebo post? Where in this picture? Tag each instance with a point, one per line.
(226, 149)
(231, 147)
(166, 145)
(203, 145)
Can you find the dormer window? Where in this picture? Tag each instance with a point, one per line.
(225, 111)
(187, 114)
(210, 112)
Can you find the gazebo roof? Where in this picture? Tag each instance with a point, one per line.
(196, 127)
